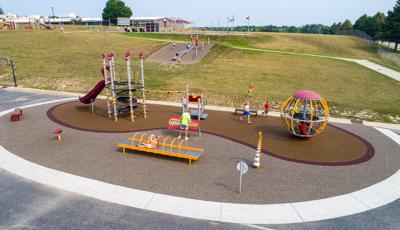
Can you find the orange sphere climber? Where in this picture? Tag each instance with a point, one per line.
(305, 114)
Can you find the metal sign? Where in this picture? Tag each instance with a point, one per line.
(242, 168)
(123, 21)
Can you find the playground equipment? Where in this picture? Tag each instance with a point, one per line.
(165, 146)
(8, 25)
(256, 161)
(305, 114)
(193, 98)
(58, 132)
(119, 95)
(16, 115)
(186, 100)
(174, 123)
(179, 55)
(199, 113)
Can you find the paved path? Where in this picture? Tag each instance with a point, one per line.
(27, 204)
(380, 69)
(368, 64)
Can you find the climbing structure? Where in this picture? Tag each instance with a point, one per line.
(165, 146)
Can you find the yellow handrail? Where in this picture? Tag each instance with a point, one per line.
(180, 145)
(294, 107)
(134, 137)
(172, 144)
(311, 116)
(163, 145)
(283, 106)
(141, 137)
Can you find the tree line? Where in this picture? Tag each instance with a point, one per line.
(379, 26)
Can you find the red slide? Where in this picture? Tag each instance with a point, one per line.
(91, 96)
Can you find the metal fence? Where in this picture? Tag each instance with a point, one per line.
(373, 43)
(8, 62)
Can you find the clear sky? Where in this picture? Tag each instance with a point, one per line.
(205, 12)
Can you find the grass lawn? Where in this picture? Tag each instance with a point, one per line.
(329, 45)
(71, 62)
(65, 61)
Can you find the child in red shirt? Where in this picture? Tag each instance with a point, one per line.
(303, 128)
(266, 108)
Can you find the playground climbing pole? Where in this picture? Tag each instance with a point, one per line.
(112, 75)
(142, 81)
(106, 83)
(128, 68)
(256, 162)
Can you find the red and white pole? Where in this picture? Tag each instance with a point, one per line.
(142, 81)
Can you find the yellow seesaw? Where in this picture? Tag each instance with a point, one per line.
(165, 146)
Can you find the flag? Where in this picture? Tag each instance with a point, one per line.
(248, 18)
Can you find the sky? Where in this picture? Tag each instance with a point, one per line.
(215, 12)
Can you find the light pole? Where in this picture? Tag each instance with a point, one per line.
(52, 10)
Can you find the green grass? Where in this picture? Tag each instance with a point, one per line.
(65, 61)
(71, 62)
(326, 45)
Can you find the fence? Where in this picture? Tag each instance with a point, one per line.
(373, 43)
(7, 61)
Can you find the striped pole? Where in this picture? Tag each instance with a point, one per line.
(106, 82)
(256, 161)
(143, 89)
(112, 75)
(128, 68)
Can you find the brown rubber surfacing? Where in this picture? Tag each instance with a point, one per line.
(332, 147)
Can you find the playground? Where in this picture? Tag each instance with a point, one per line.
(170, 54)
(114, 132)
(89, 149)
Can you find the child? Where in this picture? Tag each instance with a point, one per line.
(266, 108)
(185, 119)
(303, 128)
(152, 144)
(246, 112)
(251, 89)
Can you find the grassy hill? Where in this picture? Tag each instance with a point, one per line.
(329, 45)
(71, 62)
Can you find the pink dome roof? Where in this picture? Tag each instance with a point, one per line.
(305, 94)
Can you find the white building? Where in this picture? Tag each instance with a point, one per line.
(159, 24)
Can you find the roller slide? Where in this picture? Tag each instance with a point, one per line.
(91, 96)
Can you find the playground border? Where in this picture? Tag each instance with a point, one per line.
(374, 196)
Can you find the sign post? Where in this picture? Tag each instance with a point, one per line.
(242, 167)
(6, 61)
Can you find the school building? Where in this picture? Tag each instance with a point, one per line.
(160, 24)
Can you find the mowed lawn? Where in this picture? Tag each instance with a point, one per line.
(71, 62)
(65, 61)
(328, 45)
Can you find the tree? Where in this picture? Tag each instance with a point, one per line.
(379, 21)
(116, 9)
(347, 25)
(391, 31)
(373, 26)
(1, 11)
